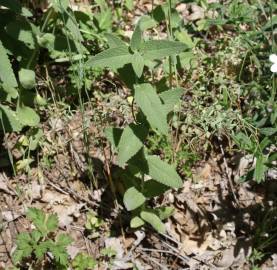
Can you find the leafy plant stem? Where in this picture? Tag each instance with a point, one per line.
(273, 91)
(169, 29)
(242, 66)
(80, 76)
(41, 30)
(50, 86)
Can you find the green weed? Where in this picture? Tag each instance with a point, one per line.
(40, 241)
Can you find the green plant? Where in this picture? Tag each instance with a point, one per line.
(183, 157)
(255, 257)
(83, 262)
(18, 44)
(108, 252)
(41, 242)
(93, 225)
(153, 112)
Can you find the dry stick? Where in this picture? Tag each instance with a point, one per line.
(81, 230)
(72, 193)
(57, 188)
(154, 261)
(76, 197)
(162, 251)
(184, 257)
(228, 175)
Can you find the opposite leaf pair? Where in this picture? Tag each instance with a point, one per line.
(138, 53)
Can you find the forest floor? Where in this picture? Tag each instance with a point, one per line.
(219, 221)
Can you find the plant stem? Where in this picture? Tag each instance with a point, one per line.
(273, 91)
(80, 75)
(169, 28)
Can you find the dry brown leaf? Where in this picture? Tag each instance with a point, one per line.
(196, 246)
(10, 215)
(66, 213)
(72, 251)
(4, 184)
(115, 244)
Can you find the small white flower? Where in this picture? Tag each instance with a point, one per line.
(273, 59)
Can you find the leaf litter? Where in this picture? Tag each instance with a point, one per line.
(206, 231)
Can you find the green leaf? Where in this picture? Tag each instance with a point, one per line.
(133, 199)
(102, 4)
(244, 142)
(105, 19)
(164, 212)
(158, 49)
(129, 4)
(271, 22)
(9, 119)
(58, 249)
(52, 222)
(24, 247)
(108, 252)
(73, 29)
(36, 235)
(83, 262)
(131, 142)
(27, 116)
(23, 164)
(260, 169)
(114, 41)
(269, 131)
(152, 188)
(60, 5)
(58, 46)
(113, 58)
(151, 106)
(10, 91)
(136, 222)
(184, 37)
(153, 220)
(22, 30)
(163, 172)
(128, 75)
(159, 13)
(137, 63)
(27, 78)
(35, 136)
(40, 101)
(6, 71)
(272, 157)
(64, 240)
(136, 39)
(170, 98)
(47, 41)
(113, 135)
(146, 22)
(41, 249)
(38, 218)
